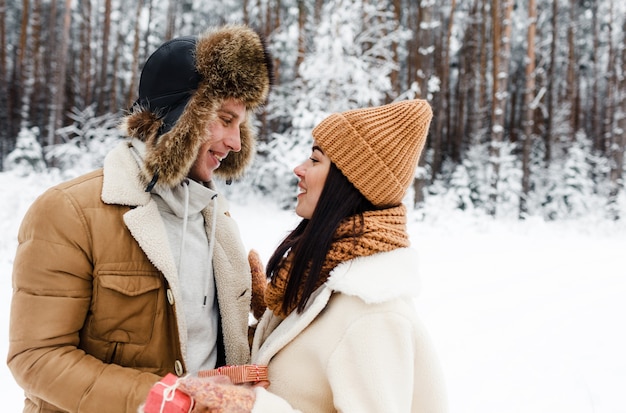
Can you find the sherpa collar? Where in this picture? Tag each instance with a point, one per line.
(122, 183)
(378, 278)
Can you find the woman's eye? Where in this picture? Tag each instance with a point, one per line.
(227, 121)
(313, 160)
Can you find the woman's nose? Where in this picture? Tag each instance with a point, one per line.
(299, 171)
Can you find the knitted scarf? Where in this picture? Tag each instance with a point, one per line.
(383, 230)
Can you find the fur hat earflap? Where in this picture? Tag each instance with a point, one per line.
(183, 84)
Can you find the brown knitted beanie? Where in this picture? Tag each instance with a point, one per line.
(377, 148)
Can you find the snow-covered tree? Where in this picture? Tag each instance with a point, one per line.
(348, 67)
(27, 157)
(85, 142)
(569, 188)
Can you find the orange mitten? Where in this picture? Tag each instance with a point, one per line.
(259, 283)
(217, 395)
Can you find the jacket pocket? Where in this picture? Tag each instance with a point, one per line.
(124, 307)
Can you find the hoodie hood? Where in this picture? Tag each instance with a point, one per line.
(182, 85)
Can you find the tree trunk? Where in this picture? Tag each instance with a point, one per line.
(5, 144)
(571, 85)
(301, 37)
(170, 25)
(36, 104)
(617, 148)
(132, 88)
(483, 75)
(470, 91)
(529, 108)
(424, 39)
(246, 13)
(594, 129)
(396, 88)
(113, 105)
(317, 12)
(86, 76)
(500, 66)
(552, 94)
(58, 92)
(104, 59)
(609, 109)
(146, 36)
(443, 106)
(19, 74)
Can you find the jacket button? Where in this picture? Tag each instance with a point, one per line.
(178, 368)
(170, 296)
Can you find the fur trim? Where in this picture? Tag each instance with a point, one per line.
(233, 63)
(232, 60)
(142, 124)
(362, 276)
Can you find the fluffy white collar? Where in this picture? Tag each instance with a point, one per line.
(378, 278)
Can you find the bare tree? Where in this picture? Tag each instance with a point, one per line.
(443, 103)
(422, 44)
(529, 107)
(36, 103)
(19, 74)
(148, 32)
(395, 75)
(483, 73)
(552, 94)
(135, 63)
(572, 78)
(170, 26)
(609, 111)
(617, 148)
(86, 55)
(5, 144)
(57, 112)
(302, 15)
(246, 13)
(104, 58)
(501, 21)
(594, 128)
(469, 101)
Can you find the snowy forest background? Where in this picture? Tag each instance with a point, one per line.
(529, 96)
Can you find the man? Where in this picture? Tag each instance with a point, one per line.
(136, 270)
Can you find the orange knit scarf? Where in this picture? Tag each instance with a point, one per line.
(383, 230)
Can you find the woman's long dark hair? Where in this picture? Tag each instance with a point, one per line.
(312, 238)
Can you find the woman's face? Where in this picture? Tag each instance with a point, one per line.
(224, 136)
(312, 174)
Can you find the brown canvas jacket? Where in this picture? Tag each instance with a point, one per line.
(94, 317)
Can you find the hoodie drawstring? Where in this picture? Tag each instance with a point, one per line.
(185, 185)
(209, 275)
(211, 247)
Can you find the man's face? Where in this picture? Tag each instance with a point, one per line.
(224, 136)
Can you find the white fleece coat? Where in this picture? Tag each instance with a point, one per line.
(358, 346)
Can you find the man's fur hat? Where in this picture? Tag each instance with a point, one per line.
(182, 85)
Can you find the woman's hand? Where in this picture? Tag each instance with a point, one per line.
(217, 394)
(259, 283)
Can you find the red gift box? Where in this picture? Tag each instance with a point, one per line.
(164, 397)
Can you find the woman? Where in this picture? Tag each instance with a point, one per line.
(340, 333)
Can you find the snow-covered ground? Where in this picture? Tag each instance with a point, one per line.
(526, 316)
